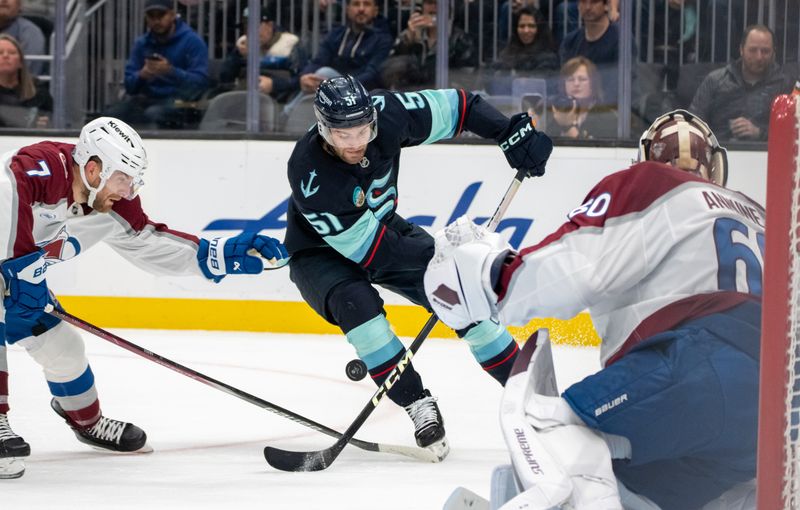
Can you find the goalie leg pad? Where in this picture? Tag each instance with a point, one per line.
(557, 458)
(504, 486)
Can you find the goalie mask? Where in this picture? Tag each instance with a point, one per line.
(120, 151)
(684, 141)
(342, 105)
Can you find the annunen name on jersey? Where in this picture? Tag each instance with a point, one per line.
(716, 200)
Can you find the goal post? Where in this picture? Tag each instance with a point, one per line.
(778, 485)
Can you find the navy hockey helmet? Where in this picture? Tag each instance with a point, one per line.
(685, 141)
(342, 103)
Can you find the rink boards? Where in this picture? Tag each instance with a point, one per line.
(221, 187)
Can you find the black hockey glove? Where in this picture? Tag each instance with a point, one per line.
(525, 148)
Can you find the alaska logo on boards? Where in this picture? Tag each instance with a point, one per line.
(274, 219)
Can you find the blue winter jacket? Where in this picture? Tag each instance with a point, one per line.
(358, 54)
(187, 53)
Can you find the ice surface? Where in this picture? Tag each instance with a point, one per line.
(208, 445)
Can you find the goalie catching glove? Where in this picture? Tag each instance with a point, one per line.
(238, 254)
(525, 148)
(458, 281)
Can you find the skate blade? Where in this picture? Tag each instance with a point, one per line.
(11, 467)
(439, 449)
(144, 449)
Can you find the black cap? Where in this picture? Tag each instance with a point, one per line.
(264, 14)
(158, 5)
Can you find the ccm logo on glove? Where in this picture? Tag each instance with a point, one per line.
(516, 137)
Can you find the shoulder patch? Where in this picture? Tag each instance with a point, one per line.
(358, 196)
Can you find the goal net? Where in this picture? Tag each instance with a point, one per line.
(779, 414)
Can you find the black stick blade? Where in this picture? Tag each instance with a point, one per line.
(298, 461)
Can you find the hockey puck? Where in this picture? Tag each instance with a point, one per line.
(356, 370)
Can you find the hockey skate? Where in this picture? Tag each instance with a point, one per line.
(108, 434)
(428, 425)
(12, 449)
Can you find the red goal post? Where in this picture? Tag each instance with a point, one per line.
(779, 399)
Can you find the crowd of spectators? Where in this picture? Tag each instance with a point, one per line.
(412, 62)
(280, 60)
(736, 100)
(571, 46)
(25, 101)
(167, 67)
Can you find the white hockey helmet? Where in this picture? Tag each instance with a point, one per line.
(685, 141)
(118, 147)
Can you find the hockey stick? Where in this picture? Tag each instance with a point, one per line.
(286, 460)
(413, 452)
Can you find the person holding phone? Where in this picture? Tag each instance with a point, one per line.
(412, 64)
(577, 111)
(168, 63)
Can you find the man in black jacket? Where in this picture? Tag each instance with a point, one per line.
(736, 99)
(359, 48)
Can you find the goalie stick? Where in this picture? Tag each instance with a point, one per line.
(408, 451)
(286, 460)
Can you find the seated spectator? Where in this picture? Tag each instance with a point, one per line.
(597, 40)
(168, 63)
(30, 37)
(18, 88)
(531, 45)
(412, 64)
(736, 100)
(564, 15)
(578, 110)
(359, 48)
(281, 58)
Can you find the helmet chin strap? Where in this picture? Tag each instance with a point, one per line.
(92, 191)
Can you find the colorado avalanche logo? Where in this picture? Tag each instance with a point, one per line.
(61, 248)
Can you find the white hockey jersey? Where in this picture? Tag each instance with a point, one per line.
(649, 248)
(39, 212)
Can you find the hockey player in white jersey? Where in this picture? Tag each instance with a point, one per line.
(59, 200)
(669, 264)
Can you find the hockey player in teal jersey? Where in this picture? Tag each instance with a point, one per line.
(344, 234)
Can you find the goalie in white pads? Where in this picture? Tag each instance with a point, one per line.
(59, 200)
(669, 263)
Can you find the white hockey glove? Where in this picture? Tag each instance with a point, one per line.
(457, 281)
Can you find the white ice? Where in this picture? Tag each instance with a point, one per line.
(209, 445)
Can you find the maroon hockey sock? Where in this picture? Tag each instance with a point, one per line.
(85, 417)
(4, 392)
